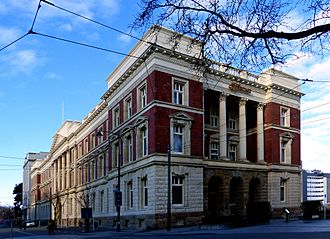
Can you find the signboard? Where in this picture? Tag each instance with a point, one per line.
(238, 88)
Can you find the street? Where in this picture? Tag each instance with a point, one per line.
(276, 229)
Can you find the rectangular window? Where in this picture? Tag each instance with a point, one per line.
(79, 150)
(283, 152)
(177, 190)
(178, 93)
(285, 117)
(100, 137)
(86, 146)
(116, 117)
(130, 194)
(101, 201)
(128, 149)
(115, 155)
(145, 142)
(142, 141)
(214, 150)
(93, 201)
(282, 190)
(70, 206)
(214, 117)
(92, 170)
(232, 152)
(178, 138)
(128, 108)
(93, 141)
(145, 192)
(142, 97)
(232, 121)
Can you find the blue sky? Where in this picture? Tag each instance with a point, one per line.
(37, 74)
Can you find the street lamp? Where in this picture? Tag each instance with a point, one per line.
(118, 193)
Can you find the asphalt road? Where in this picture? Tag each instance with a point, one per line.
(38, 233)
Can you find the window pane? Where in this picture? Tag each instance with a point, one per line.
(177, 194)
(177, 143)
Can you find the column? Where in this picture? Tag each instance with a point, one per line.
(74, 167)
(54, 176)
(58, 174)
(68, 169)
(222, 126)
(63, 171)
(260, 133)
(242, 129)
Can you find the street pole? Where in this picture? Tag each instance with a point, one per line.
(169, 188)
(118, 196)
(50, 204)
(118, 203)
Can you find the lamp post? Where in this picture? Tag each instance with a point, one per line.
(169, 188)
(118, 193)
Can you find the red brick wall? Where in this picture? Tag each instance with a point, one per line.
(295, 118)
(163, 86)
(196, 94)
(295, 150)
(160, 123)
(273, 115)
(272, 136)
(272, 147)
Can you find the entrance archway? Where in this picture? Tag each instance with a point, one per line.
(236, 197)
(254, 190)
(215, 196)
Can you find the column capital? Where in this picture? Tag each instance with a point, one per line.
(261, 106)
(222, 96)
(243, 101)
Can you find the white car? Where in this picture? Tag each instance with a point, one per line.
(30, 223)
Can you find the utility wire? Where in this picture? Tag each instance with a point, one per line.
(317, 120)
(18, 39)
(10, 157)
(94, 21)
(84, 44)
(35, 15)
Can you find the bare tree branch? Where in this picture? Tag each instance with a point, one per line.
(264, 32)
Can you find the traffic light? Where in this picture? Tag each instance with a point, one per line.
(118, 198)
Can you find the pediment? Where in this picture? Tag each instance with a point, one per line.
(182, 116)
(287, 135)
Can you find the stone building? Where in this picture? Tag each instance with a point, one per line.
(31, 162)
(234, 138)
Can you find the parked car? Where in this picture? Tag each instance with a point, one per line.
(29, 223)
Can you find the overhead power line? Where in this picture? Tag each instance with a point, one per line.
(94, 21)
(10, 157)
(84, 44)
(18, 39)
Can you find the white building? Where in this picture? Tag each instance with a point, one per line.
(314, 186)
(31, 160)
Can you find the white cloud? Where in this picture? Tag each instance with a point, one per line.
(19, 62)
(124, 39)
(66, 27)
(315, 124)
(24, 58)
(52, 76)
(7, 35)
